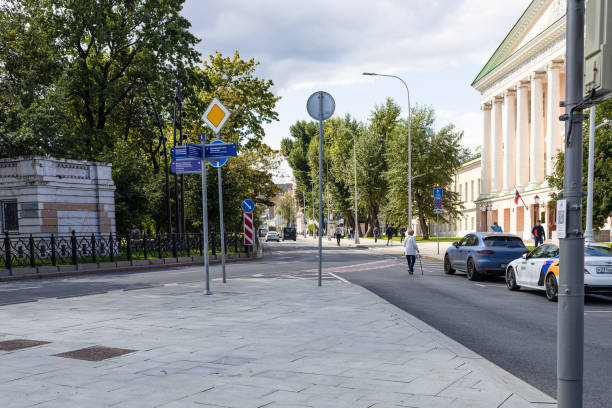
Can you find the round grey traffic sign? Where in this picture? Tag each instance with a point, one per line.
(321, 105)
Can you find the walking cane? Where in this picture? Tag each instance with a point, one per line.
(420, 263)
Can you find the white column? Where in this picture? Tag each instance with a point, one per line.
(496, 146)
(553, 124)
(536, 145)
(509, 140)
(522, 134)
(485, 167)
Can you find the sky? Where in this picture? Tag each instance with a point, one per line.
(437, 47)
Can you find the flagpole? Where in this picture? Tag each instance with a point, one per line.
(516, 189)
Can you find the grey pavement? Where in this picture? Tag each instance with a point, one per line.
(253, 343)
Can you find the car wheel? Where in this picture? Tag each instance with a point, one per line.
(511, 279)
(447, 266)
(551, 287)
(471, 272)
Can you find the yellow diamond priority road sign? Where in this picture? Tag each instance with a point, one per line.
(215, 116)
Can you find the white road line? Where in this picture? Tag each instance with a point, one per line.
(478, 284)
(598, 311)
(338, 277)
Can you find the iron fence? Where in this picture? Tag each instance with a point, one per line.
(18, 251)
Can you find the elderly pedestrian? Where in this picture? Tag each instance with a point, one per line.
(411, 250)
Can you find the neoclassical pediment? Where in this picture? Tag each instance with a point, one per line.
(539, 16)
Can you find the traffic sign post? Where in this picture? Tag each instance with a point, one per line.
(248, 205)
(320, 106)
(217, 162)
(437, 192)
(248, 228)
(437, 203)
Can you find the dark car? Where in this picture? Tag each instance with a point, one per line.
(289, 233)
(483, 254)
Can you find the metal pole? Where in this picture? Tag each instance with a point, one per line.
(570, 315)
(588, 234)
(320, 189)
(176, 196)
(205, 222)
(313, 212)
(438, 231)
(220, 182)
(355, 169)
(183, 223)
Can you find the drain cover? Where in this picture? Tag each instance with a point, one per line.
(17, 344)
(95, 353)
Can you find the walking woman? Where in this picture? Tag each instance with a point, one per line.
(411, 250)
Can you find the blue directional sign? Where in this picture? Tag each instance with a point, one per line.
(437, 193)
(325, 220)
(220, 150)
(186, 166)
(194, 151)
(248, 205)
(217, 162)
(178, 153)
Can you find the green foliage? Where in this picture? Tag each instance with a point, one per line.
(436, 155)
(602, 186)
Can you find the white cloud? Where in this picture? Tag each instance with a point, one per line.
(469, 122)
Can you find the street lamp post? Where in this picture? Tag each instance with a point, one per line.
(409, 144)
(589, 237)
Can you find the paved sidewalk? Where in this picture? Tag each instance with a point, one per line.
(253, 343)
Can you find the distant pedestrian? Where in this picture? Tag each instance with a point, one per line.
(338, 234)
(538, 234)
(496, 228)
(135, 232)
(375, 234)
(389, 234)
(411, 250)
(402, 234)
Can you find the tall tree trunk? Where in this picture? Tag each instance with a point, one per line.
(424, 227)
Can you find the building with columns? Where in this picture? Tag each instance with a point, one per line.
(520, 89)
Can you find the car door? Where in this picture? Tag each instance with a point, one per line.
(462, 253)
(535, 262)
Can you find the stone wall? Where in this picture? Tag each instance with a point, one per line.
(58, 195)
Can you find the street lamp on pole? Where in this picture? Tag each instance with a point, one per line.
(409, 143)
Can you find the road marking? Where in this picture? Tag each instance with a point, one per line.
(257, 275)
(598, 311)
(338, 277)
(359, 267)
(482, 286)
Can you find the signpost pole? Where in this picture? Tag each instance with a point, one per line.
(220, 182)
(320, 194)
(438, 231)
(570, 313)
(205, 221)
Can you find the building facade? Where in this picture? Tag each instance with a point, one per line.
(521, 88)
(40, 195)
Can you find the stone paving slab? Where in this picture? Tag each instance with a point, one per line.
(253, 343)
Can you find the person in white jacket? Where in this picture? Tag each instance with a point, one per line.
(411, 250)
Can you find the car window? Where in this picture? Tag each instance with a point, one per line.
(538, 252)
(472, 240)
(507, 242)
(597, 251)
(463, 240)
(550, 251)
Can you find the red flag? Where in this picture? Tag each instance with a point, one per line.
(517, 196)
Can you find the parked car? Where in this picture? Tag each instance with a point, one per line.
(530, 269)
(261, 232)
(289, 233)
(481, 253)
(272, 236)
(597, 272)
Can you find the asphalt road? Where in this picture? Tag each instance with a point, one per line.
(515, 330)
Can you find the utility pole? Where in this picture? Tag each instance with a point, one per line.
(570, 315)
(176, 192)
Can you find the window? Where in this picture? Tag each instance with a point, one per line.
(478, 187)
(472, 240)
(466, 192)
(507, 242)
(472, 222)
(472, 186)
(10, 216)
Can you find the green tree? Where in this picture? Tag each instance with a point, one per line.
(602, 186)
(437, 155)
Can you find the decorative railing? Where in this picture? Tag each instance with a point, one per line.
(18, 251)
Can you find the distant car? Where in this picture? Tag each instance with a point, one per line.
(272, 236)
(481, 253)
(261, 232)
(597, 272)
(289, 233)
